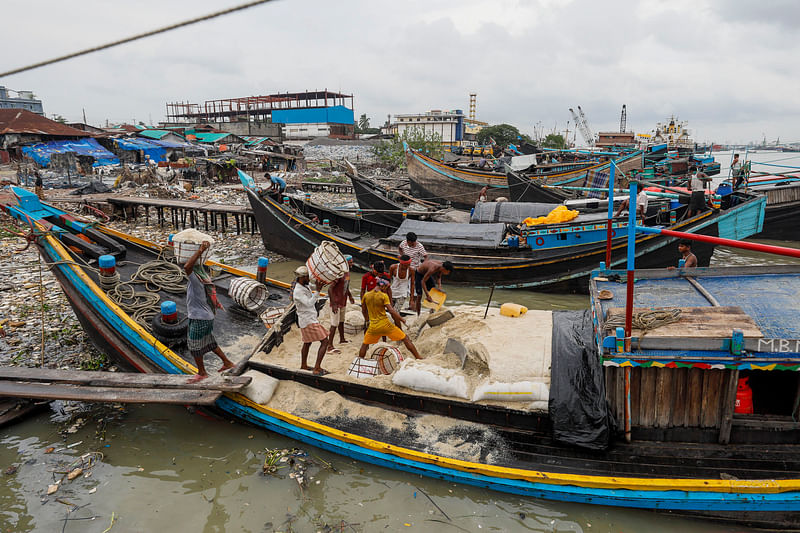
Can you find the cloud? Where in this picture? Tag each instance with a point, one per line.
(725, 67)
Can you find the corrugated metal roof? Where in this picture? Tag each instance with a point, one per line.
(215, 137)
(23, 121)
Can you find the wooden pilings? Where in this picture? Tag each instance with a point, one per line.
(185, 214)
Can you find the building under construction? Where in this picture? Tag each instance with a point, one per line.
(301, 115)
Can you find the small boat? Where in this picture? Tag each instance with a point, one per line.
(553, 257)
(434, 180)
(524, 188)
(782, 212)
(690, 452)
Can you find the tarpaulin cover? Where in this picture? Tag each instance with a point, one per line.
(42, 152)
(156, 152)
(508, 212)
(94, 186)
(445, 233)
(521, 162)
(577, 406)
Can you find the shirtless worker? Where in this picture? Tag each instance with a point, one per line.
(427, 275)
(685, 249)
(402, 280)
(374, 306)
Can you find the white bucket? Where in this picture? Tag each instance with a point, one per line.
(187, 242)
(248, 293)
(326, 264)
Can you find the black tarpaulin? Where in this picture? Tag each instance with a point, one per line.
(578, 409)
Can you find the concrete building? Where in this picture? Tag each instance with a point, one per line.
(448, 124)
(301, 115)
(23, 100)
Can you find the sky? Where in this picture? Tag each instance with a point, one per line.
(727, 67)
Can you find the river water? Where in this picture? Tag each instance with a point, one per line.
(159, 468)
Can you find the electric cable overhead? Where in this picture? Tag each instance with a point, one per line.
(136, 37)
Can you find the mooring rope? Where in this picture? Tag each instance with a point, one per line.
(645, 321)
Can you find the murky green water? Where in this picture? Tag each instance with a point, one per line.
(166, 469)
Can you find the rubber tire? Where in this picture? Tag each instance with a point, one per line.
(170, 331)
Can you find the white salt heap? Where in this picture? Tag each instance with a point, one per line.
(502, 355)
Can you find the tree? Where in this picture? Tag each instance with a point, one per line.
(503, 135)
(393, 153)
(363, 122)
(554, 140)
(59, 118)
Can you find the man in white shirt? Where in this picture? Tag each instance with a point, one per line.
(307, 319)
(416, 251)
(697, 202)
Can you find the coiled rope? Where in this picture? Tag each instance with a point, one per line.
(156, 276)
(645, 321)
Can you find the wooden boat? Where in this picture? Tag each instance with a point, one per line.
(782, 212)
(754, 479)
(556, 257)
(434, 180)
(522, 188)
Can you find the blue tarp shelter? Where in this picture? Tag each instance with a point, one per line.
(42, 152)
(149, 147)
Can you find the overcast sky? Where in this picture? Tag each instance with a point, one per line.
(728, 67)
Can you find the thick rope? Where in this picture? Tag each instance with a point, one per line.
(645, 321)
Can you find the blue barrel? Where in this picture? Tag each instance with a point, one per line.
(724, 189)
(674, 204)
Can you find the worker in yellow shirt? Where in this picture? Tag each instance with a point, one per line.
(374, 305)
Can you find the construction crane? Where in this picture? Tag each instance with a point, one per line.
(623, 119)
(582, 125)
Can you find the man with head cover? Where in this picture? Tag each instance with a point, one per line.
(310, 329)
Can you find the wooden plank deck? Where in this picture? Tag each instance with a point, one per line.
(700, 322)
(57, 391)
(132, 380)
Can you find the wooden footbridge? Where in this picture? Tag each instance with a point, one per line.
(115, 387)
(180, 214)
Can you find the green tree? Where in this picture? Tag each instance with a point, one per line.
(393, 154)
(554, 140)
(503, 135)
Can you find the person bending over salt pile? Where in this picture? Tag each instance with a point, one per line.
(374, 306)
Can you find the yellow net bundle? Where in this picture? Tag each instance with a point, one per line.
(557, 215)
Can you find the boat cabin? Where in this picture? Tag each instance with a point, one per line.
(713, 354)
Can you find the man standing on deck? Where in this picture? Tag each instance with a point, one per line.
(339, 294)
(416, 251)
(39, 186)
(310, 329)
(697, 202)
(201, 305)
(424, 278)
(374, 307)
(685, 249)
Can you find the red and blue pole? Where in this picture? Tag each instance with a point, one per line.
(767, 248)
(631, 248)
(610, 213)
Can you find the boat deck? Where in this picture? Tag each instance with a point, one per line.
(236, 330)
(770, 306)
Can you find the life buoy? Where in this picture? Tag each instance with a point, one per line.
(613, 233)
(539, 241)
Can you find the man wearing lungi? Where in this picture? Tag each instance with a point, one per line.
(201, 305)
(310, 329)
